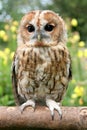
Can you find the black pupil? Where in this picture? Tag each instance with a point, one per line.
(31, 28)
(49, 27)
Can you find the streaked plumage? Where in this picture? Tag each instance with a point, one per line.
(41, 67)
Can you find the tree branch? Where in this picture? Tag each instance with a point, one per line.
(73, 118)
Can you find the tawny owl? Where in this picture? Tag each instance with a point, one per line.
(41, 67)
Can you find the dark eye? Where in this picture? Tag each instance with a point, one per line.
(31, 28)
(49, 27)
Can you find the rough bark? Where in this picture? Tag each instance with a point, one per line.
(74, 118)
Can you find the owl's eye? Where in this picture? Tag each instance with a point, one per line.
(49, 27)
(31, 28)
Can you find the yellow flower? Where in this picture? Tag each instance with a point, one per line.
(80, 53)
(81, 101)
(74, 22)
(74, 95)
(6, 27)
(85, 52)
(7, 51)
(13, 28)
(4, 57)
(1, 54)
(15, 23)
(2, 33)
(5, 61)
(79, 90)
(76, 37)
(12, 55)
(81, 44)
(5, 38)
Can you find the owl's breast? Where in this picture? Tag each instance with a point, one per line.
(42, 73)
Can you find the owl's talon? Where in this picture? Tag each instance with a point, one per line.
(52, 117)
(53, 105)
(61, 117)
(26, 104)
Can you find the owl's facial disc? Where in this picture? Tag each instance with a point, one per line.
(41, 28)
(40, 36)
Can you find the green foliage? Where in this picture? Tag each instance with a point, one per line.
(73, 9)
(8, 33)
(6, 96)
(77, 90)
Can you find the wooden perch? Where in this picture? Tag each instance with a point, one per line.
(74, 118)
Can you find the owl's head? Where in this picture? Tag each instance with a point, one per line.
(41, 28)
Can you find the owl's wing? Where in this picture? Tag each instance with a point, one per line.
(18, 99)
(70, 70)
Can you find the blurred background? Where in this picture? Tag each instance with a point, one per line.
(75, 15)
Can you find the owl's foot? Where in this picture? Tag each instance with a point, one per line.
(54, 105)
(26, 104)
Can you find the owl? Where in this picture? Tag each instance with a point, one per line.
(41, 68)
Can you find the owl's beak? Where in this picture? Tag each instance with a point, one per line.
(39, 37)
